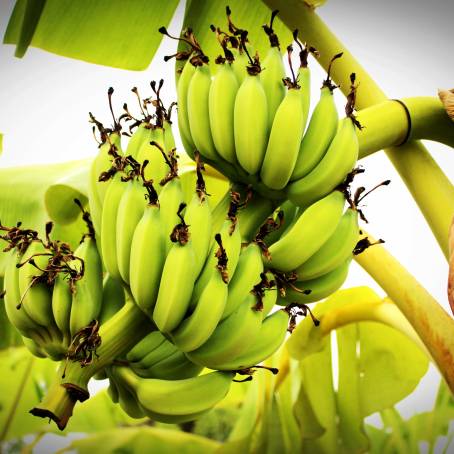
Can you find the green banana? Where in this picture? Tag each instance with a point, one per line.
(179, 397)
(177, 280)
(183, 121)
(284, 142)
(139, 138)
(147, 257)
(320, 132)
(221, 103)
(320, 287)
(130, 211)
(113, 298)
(127, 399)
(153, 357)
(289, 215)
(270, 337)
(337, 249)
(247, 274)
(194, 330)
(87, 299)
(198, 112)
(251, 124)
(169, 139)
(108, 234)
(239, 64)
(311, 230)
(231, 337)
(339, 160)
(34, 348)
(148, 344)
(62, 299)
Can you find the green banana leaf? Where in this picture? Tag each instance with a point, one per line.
(107, 32)
(151, 440)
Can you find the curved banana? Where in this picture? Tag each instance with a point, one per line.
(140, 137)
(130, 211)
(239, 65)
(127, 398)
(270, 337)
(169, 139)
(289, 216)
(320, 132)
(311, 230)
(337, 249)
(145, 346)
(338, 161)
(153, 357)
(178, 397)
(87, 299)
(62, 299)
(183, 121)
(113, 298)
(109, 225)
(221, 103)
(231, 337)
(177, 281)
(320, 287)
(198, 112)
(34, 348)
(285, 139)
(247, 274)
(194, 330)
(147, 258)
(251, 124)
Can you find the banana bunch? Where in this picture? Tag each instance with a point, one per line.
(248, 119)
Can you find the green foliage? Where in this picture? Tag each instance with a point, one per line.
(107, 32)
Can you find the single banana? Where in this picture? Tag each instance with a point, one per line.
(337, 249)
(127, 399)
(139, 138)
(148, 344)
(194, 330)
(61, 307)
(177, 280)
(231, 337)
(221, 102)
(108, 231)
(198, 112)
(147, 256)
(284, 142)
(289, 216)
(130, 211)
(183, 120)
(320, 287)
(34, 348)
(247, 274)
(169, 139)
(113, 298)
(251, 124)
(270, 337)
(311, 230)
(178, 397)
(239, 65)
(87, 299)
(331, 171)
(320, 132)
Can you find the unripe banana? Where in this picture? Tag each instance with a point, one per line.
(127, 399)
(304, 80)
(179, 397)
(198, 112)
(338, 161)
(284, 142)
(61, 306)
(130, 211)
(289, 211)
(312, 229)
(140, 137)
(169, 139)
(153, 357)
(147, 258)
(198, 327)
(231, 337)
(109, 225)
(148, 344)
(320, 287)
(271, 78)
(252, 216)
(337, 249)
(34, 348)
(113, 298)
(247, 274)
(251, 124)
(320, 132)
(270, 337)
(221, 102)
(17, 316)
(36, 296)
(239, 65)
(183, 121)
(87, 299)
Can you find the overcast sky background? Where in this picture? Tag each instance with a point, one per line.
(406, 46)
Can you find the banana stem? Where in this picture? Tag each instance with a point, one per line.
(432, 324)
(429, 186)
(118, 335)
(390, 124)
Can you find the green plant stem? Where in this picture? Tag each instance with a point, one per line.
(433, 325)
(429, 186)
(387, 125)
(118, 335)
